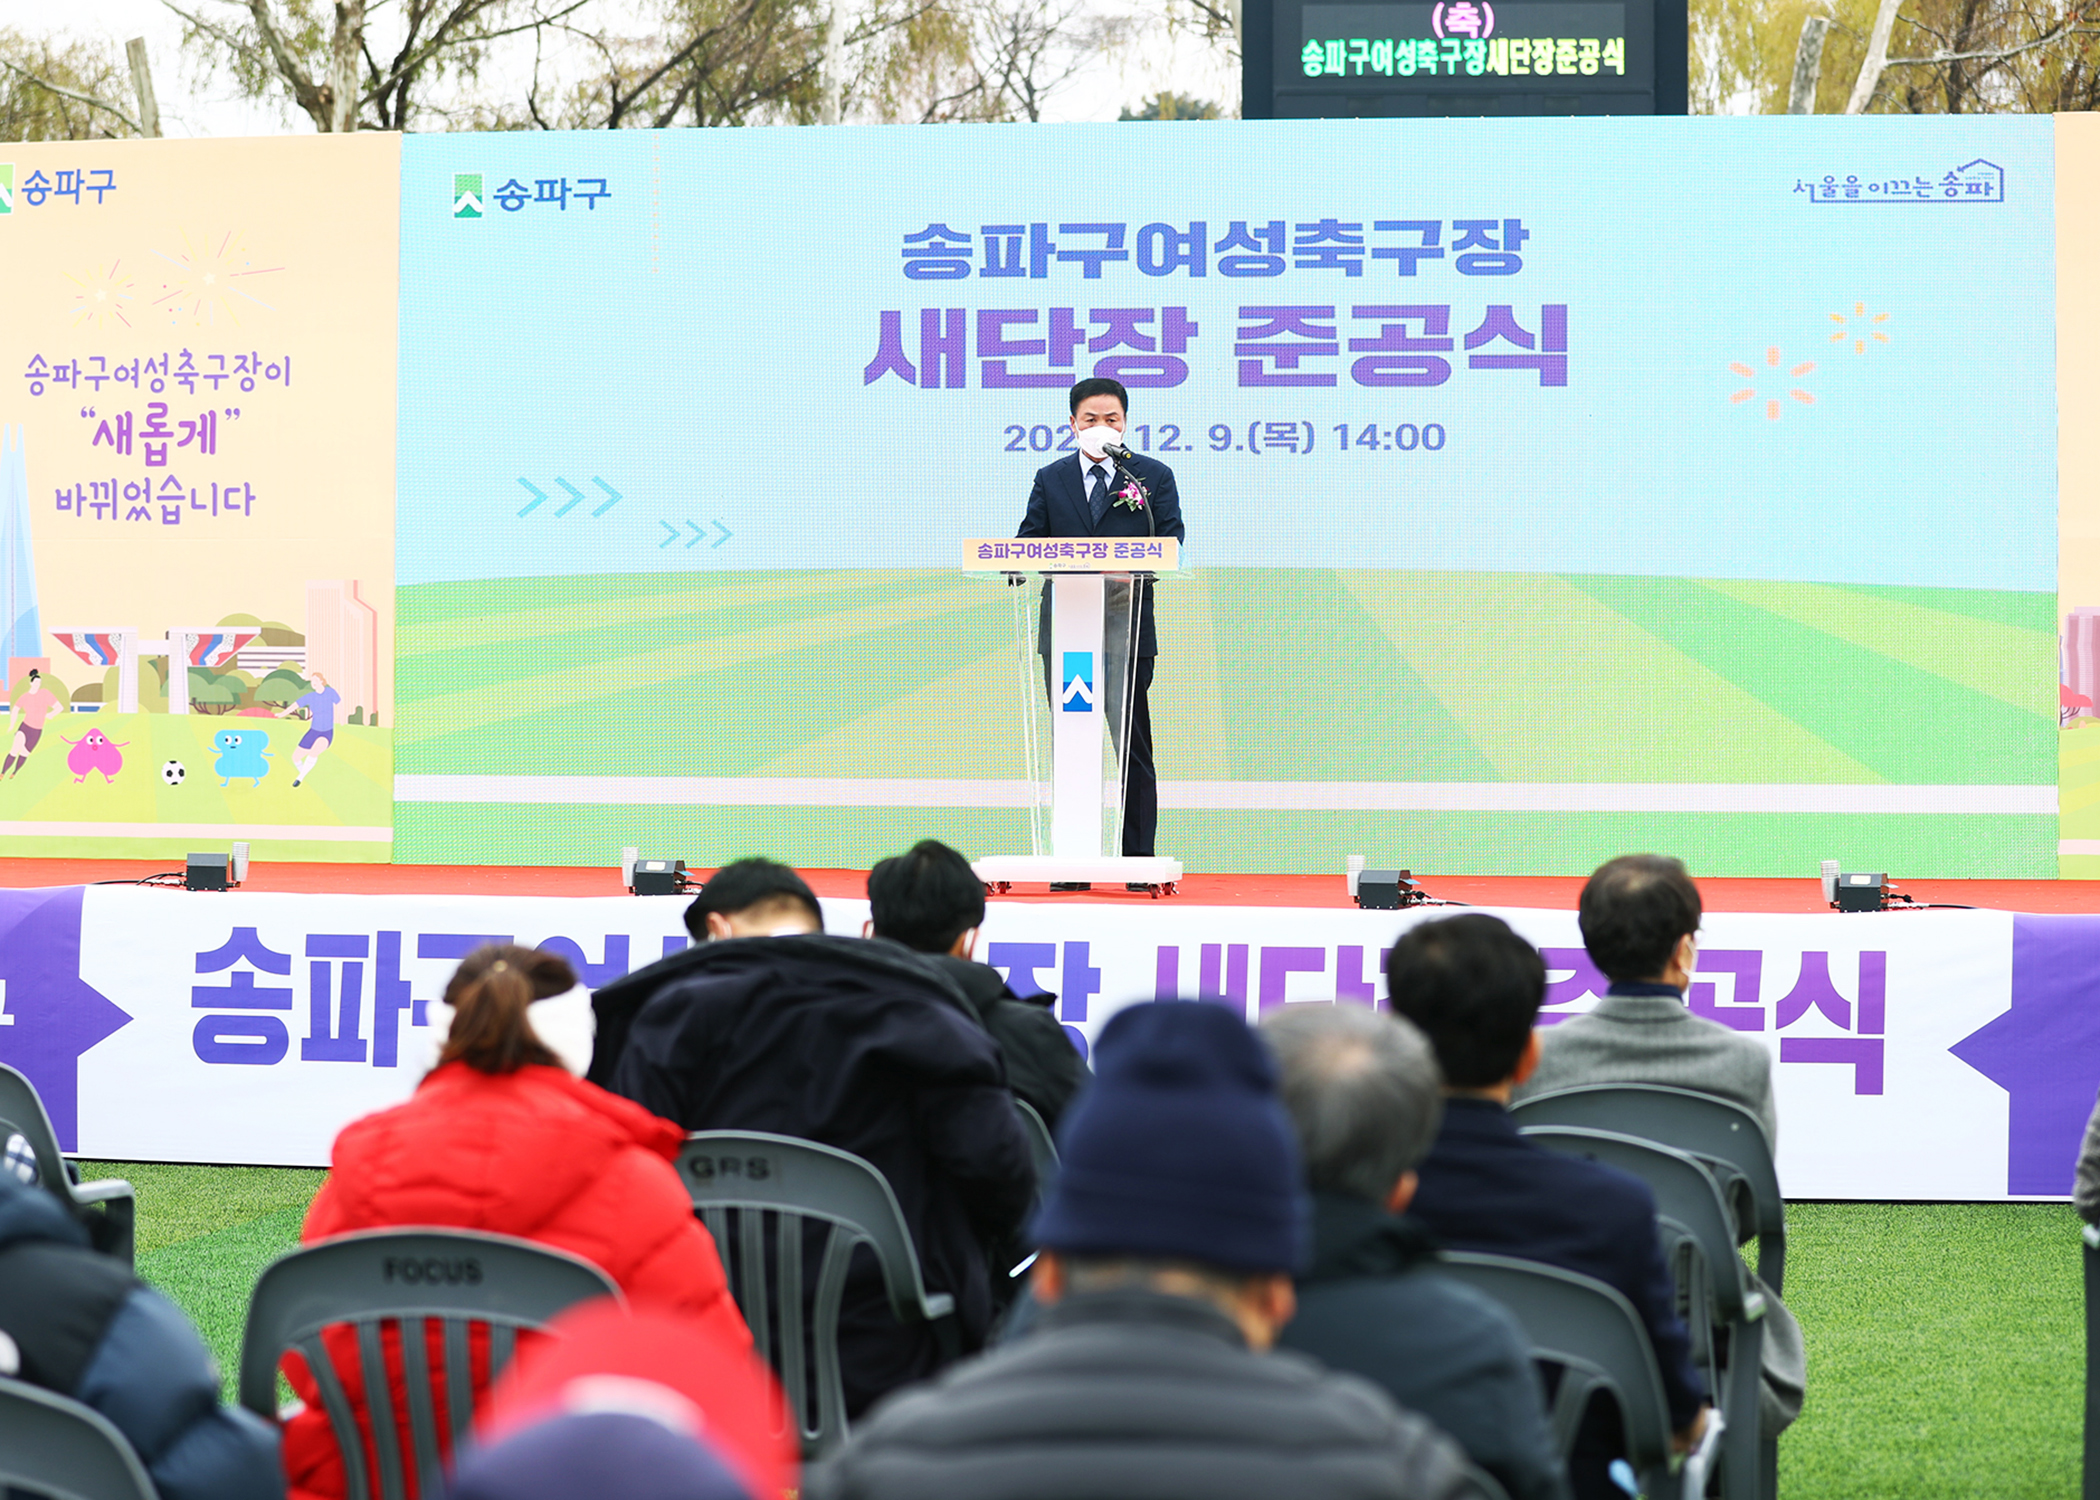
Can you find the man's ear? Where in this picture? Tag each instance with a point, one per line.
(965, 944)
(1047, 1278)
(1403, 1193)
(1528, 1063)
(718, 926)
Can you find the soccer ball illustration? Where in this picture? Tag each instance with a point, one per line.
(172, 773)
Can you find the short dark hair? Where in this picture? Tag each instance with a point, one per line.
(925, 898)
(1099, 385)
(749, 883)
(1474, 988)
(1634, 911)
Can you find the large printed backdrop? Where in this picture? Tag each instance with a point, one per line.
(198, 344)
(1554, 486)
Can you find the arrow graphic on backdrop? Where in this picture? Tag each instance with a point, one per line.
(2045, 1050)
(672, 533)
(53, 1014)
(576, 497)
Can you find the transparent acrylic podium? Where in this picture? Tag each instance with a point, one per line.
(1083, 685)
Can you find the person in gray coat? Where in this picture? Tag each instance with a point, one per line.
(1365, 1095)
(1640, 917)
(1165, 1274)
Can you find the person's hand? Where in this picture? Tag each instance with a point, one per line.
(1685, 1439)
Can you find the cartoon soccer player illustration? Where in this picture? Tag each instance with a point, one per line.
(320, 704)
(30, 713)
(241, 753)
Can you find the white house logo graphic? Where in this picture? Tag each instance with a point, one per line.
(1077, 695)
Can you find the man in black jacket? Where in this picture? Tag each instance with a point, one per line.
(1362, 1090)
(78, 1322)
(933, 903)
(1168, 1244)
(855, 1044)
(1473, 987)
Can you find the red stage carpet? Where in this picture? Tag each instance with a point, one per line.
(1554, 891)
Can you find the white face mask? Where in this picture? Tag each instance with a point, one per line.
(1091, 439)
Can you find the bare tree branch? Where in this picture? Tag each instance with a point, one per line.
(77, 97)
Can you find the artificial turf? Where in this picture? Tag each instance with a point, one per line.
(1944, 1340)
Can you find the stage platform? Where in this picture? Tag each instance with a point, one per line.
(1546, 893)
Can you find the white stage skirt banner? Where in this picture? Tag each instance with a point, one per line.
(1917, 1055)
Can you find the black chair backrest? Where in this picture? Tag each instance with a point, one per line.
(814, 1203)
(2090, 1237)
(57, 1447)
(1597, 1339)
(1712, 1129)
(434, 1281)
(22, 1113)
(1042, 1149)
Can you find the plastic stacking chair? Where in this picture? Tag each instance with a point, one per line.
(55, 1446)
(1600, 1344)
(22, 1112)
(1711, 1129)
(2091, 1237)
(786, 1215)
(452, 1278)
(1042, 1150)
(1699, 1233)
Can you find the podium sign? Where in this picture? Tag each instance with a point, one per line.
(1085, 680)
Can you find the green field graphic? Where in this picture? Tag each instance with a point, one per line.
(1265, 676)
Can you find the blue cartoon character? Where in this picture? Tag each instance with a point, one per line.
(241, 753)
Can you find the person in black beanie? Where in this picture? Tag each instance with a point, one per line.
(1168, 1245)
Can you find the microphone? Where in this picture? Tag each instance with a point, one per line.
(1116, 448)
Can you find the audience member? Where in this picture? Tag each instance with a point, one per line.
(78, 1322)
(2085, 1191)
(933, 903)
(859, 1045)
(1364, 1096)
(1474, 987)
(748, 898)
(1640, 923)
(1168, 1244)
(630, 1404)
(500, 1138)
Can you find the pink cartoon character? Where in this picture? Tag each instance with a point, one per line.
(94, 751)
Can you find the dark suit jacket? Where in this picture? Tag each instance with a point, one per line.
(1486, 1188)
(1057, 507)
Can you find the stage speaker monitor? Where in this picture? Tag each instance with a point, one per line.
(1385, 890)
(1862, 892)
(658, 877)
(205, 872)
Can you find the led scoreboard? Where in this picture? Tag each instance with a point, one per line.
(1308, 59)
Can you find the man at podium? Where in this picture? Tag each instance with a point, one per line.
(1091, 494)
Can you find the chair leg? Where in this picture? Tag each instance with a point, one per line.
(1741, 1447)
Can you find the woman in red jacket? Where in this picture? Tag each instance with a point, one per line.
(499, 1137)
